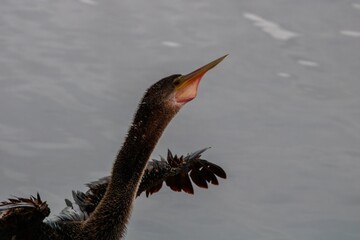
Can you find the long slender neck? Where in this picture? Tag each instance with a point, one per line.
(112, 214)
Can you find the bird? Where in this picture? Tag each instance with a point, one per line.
(104, 210)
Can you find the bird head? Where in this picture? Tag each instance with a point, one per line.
(176, 90)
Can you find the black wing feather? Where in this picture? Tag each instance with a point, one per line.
(24, 218)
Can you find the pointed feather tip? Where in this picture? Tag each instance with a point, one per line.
(68, 203)
(197, 153)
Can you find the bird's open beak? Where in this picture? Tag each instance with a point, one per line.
(186, 90)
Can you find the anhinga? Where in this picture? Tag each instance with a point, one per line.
(104, 210)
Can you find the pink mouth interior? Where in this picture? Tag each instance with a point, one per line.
(189, 92)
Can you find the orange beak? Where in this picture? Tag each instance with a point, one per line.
(186, 90)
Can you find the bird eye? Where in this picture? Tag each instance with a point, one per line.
(176, 82)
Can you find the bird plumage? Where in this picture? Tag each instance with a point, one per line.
(29, 216)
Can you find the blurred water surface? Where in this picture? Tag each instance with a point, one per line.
(281, 113)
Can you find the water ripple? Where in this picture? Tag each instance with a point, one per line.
(271, 28)
(350, 33)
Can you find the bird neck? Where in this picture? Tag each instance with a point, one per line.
(148, 125)
(112, 214)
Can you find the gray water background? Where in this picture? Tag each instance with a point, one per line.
(281, 113)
